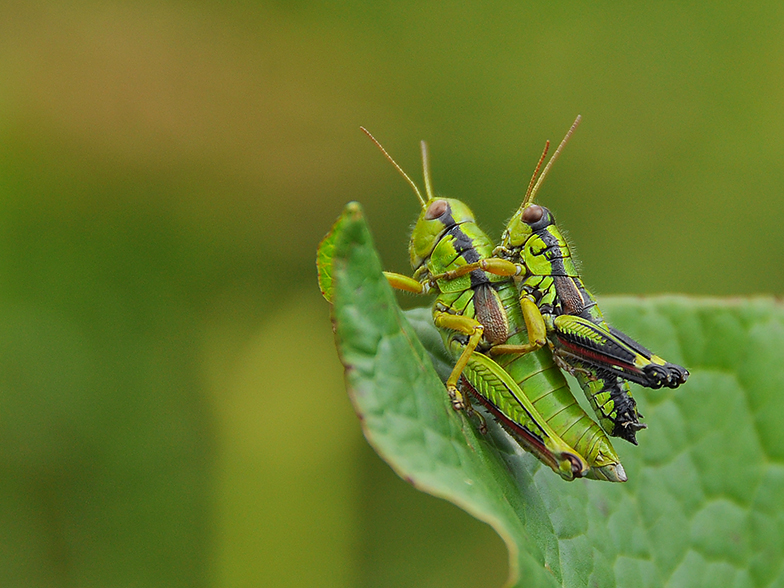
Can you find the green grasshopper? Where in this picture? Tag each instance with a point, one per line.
(478, 313)
(554, 299)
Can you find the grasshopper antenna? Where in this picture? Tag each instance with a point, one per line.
(553, 158)
(426, 170)
(536, 172)
(400, 169)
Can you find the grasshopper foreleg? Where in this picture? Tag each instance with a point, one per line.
(406, 283)
(493, 265)
(467, 326)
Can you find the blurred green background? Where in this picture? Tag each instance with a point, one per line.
(171, 405)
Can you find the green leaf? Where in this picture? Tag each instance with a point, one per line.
(326, 251)
(704, 504)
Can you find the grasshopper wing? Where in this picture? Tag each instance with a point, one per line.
(501, 396)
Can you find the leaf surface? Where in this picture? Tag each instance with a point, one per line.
(704, 504)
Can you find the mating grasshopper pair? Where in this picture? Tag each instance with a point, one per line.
(513, 317)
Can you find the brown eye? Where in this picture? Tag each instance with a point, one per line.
(436, 209)
(532, 214)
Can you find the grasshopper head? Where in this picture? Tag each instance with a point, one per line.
(531, 217)
(438, 216)
(526, 221)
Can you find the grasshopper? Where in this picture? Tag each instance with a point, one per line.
(554, 299)
(479, 315)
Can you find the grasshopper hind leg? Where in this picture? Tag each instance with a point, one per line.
(610, 397)
(626, 418)
(669, 374)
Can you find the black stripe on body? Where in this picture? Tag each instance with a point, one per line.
(487, 308)
(463, 244)
(551, 244)
(569, 290)
(464, 247)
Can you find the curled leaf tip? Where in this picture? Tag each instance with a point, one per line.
(354, 209)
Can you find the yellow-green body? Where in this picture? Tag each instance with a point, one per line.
(470, 312)
(524, 388)
(479, 315)
(600, 357)
(543, 383)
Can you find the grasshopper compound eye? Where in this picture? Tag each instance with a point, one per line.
(533, 214)
(436, 209)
